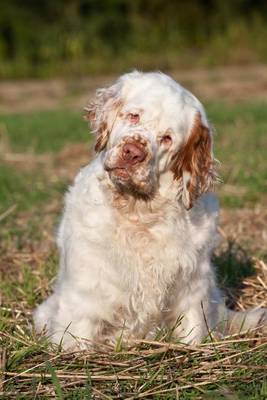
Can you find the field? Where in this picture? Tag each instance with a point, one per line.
(43, 143)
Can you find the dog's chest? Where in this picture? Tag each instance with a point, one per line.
(146, 258)
(147, 251)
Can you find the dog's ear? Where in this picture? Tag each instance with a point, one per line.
(102, 112)
(193, 165)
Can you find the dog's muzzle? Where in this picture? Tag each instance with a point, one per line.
(130, 155)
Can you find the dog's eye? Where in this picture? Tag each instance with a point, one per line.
(133, 118)
(166, 140)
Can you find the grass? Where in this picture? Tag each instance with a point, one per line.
(44, 131)
(40, 154)
(240, 144)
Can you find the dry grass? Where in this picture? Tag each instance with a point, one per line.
(148, 369)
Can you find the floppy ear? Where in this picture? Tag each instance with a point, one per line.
(193, 165)
(102, 113)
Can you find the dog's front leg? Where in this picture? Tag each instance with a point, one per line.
(85, 298)
(69, 318)
(194, 310)
(191, 326)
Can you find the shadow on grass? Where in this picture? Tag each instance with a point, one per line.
(233, 264)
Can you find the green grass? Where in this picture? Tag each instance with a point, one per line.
(44, 131)
(26, 189)
(29, 261)
(36, 133)
(240, 145)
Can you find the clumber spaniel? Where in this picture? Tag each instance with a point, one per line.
(139, 226)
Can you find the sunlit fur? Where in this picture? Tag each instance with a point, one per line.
(135, 243)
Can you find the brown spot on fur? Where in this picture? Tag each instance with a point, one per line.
(195, 158)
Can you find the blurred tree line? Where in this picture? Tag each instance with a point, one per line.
(54, 37)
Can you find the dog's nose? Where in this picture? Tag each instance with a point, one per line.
(133, 154)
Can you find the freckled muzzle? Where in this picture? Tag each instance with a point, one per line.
(129, 165)
(130, 154)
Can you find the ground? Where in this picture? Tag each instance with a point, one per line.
(43, 144)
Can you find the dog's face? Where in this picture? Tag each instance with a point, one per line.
(147, 124)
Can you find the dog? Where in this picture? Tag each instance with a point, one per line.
(140, 223)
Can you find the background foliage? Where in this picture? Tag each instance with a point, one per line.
(74, 37)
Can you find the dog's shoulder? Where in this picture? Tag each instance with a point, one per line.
(86, 205)
(203, 221)
(87, 188)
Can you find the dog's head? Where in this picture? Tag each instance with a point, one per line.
(147, 124)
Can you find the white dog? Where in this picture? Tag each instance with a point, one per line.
(138, 227)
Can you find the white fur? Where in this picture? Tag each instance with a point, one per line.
(132, 264)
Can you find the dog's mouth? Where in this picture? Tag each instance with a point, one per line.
(118, 172)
